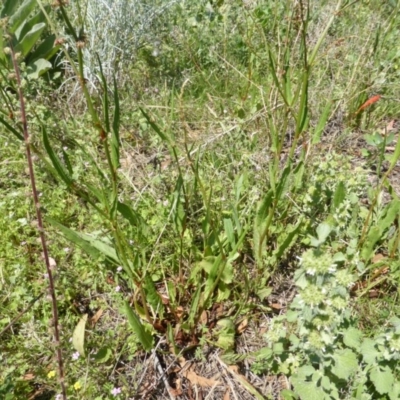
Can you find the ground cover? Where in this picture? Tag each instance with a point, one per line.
(220, 200)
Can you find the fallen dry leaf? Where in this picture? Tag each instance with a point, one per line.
(96, 317)
(199, 380)
(242, 326)
(377, 257)
(194, 378)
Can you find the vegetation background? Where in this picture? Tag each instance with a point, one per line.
(219, 186)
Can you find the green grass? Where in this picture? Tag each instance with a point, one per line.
(228, 219)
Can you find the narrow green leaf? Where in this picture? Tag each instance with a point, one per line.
(92, 246)
(302, 115)
(30, 39)
(194, 307)
(144, 337)
(287, 83)
(19, 135)
(171, 339)
(78, 337)
(214, 277)
(115, 128)
(316, 137)
(62, 172)
(155, 127)
(105, 96)
(272, 64)
(20, 15)
(260, 225)
(230, 233)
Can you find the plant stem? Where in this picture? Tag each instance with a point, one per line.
(42, 236)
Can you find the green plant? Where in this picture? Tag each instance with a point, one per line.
(28, 37)
(317, 343)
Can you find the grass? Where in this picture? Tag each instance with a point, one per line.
(211, 215)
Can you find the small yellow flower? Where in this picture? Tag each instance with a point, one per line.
(77, 385)
(51, 374)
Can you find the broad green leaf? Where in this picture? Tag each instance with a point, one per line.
(375, 234)
(152, 296)
(134, 218)
(283, 184)
(144, 337)
(346, 363)
(339, 195)
(78, 337)
(226, 334)
(103, 355)
(352, 337)
(30, 39)
(62, 172)
(20, 15)
(382, 378)
(298, 174)
(323, 231)
(287, 394)
(38, 68)
(8, 7)
(307, 390)
(45, 50)
(263, 292)
(30, 23)
(392, 211)
(394, 394)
